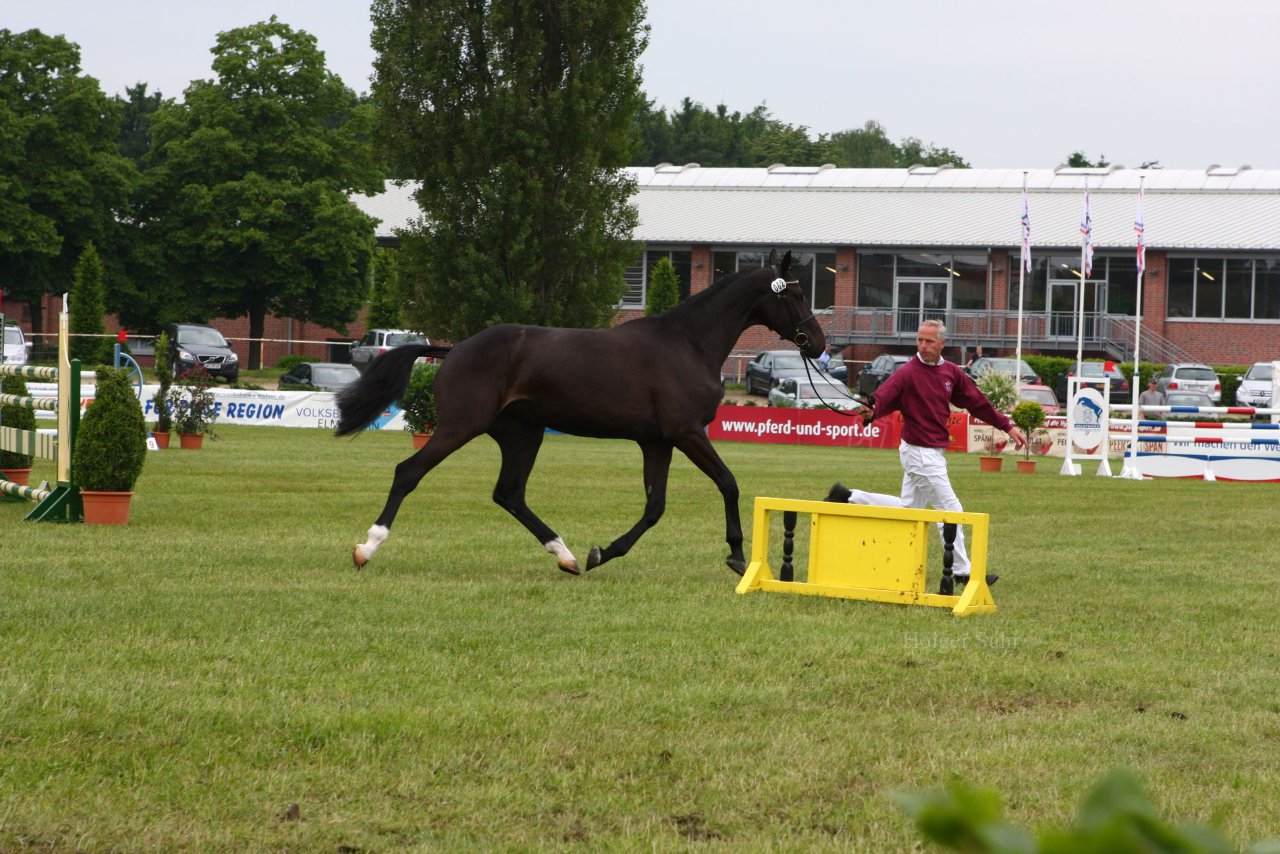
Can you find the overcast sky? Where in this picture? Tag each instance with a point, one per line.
(1003, 83)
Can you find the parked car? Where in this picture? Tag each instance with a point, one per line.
(1255, 387)
(1190, 398)
(1042, 395)
(1120, 391)
(877, 371)
(764, 371)
(193, 344)
(837, 369)
(1190, 376)
(812, 393)
(984, 365)
(378, 341)
(17, 349)
(326, 376)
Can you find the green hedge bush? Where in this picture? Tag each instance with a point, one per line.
(111, 445)
(19, 418)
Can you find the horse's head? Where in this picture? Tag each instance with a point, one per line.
(784, 309)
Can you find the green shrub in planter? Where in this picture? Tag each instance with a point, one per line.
(194, 409)
(164, 375)
(111, 444)
(419, 401)
(19, 418)
(1029, 416)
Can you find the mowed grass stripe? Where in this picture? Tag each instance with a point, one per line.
(178, 683)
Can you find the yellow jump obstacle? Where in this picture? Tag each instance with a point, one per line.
(867, 552)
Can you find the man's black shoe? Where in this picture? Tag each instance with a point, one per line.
(992, 578)
(838, 494)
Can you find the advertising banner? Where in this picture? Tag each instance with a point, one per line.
(257, 407)
(818, 427)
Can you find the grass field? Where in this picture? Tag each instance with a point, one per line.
(183, 683)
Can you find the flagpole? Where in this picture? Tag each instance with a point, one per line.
(1084, 276)
(1022, 269)
(1130, 469)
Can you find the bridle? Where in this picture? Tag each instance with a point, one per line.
(780, 286)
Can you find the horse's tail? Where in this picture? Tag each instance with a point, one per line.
(383, 383)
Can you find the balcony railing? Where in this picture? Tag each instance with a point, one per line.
(1042, 330)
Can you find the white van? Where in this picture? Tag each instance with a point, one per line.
(16, 346)
(1255, 387)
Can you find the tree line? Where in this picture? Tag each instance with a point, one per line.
(235, 202)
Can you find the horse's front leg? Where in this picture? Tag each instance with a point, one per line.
(657, 463)
(697, 447)
(519, 443)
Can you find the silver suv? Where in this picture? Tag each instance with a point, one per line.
(1255, 387)
(378, 341)
(17, 349)
(1190, 376)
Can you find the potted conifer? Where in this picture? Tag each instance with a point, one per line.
(1003, 393)
(16, 466)
(1029, 416)
(111, 446)
(193, 408)
(419, 403)
(164, 375)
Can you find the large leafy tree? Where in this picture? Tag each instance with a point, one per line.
(63, 182)
(246, 208)
(134, 137)
(516, 117)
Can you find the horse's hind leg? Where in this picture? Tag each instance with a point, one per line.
(519, 444)
(697, 447)
(657, 463)
(409, 473)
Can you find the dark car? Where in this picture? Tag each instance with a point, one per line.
(193, 345)
(378, 341)
(326, 376)
(1120, 392)
(984, 365)
(764, 371)
(877, 371)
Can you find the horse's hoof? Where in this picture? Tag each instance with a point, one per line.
(358, 557)
(569, 566)
(738, 566)
(595, 558)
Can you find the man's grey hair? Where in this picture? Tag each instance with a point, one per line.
(938, 325)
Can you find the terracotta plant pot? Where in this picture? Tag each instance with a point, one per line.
(191, 441)
(1027, 466)
(162, 439)
(105, 508)
(22, 477)
(990, 463)
(420, 439)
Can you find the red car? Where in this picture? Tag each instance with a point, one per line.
(1042, 395)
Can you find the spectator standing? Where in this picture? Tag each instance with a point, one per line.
(1152, 396)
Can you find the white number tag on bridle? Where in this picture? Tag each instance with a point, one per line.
(779, 285)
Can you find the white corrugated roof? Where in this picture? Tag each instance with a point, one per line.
(1217, 208)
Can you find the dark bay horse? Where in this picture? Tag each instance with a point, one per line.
(653, 380)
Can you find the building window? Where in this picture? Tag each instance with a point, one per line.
(963, 278)
(1224, 288)
(875, 281)
(637, 275)
(814, 270)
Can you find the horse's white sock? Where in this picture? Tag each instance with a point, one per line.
(377, 534)
(561, 551)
